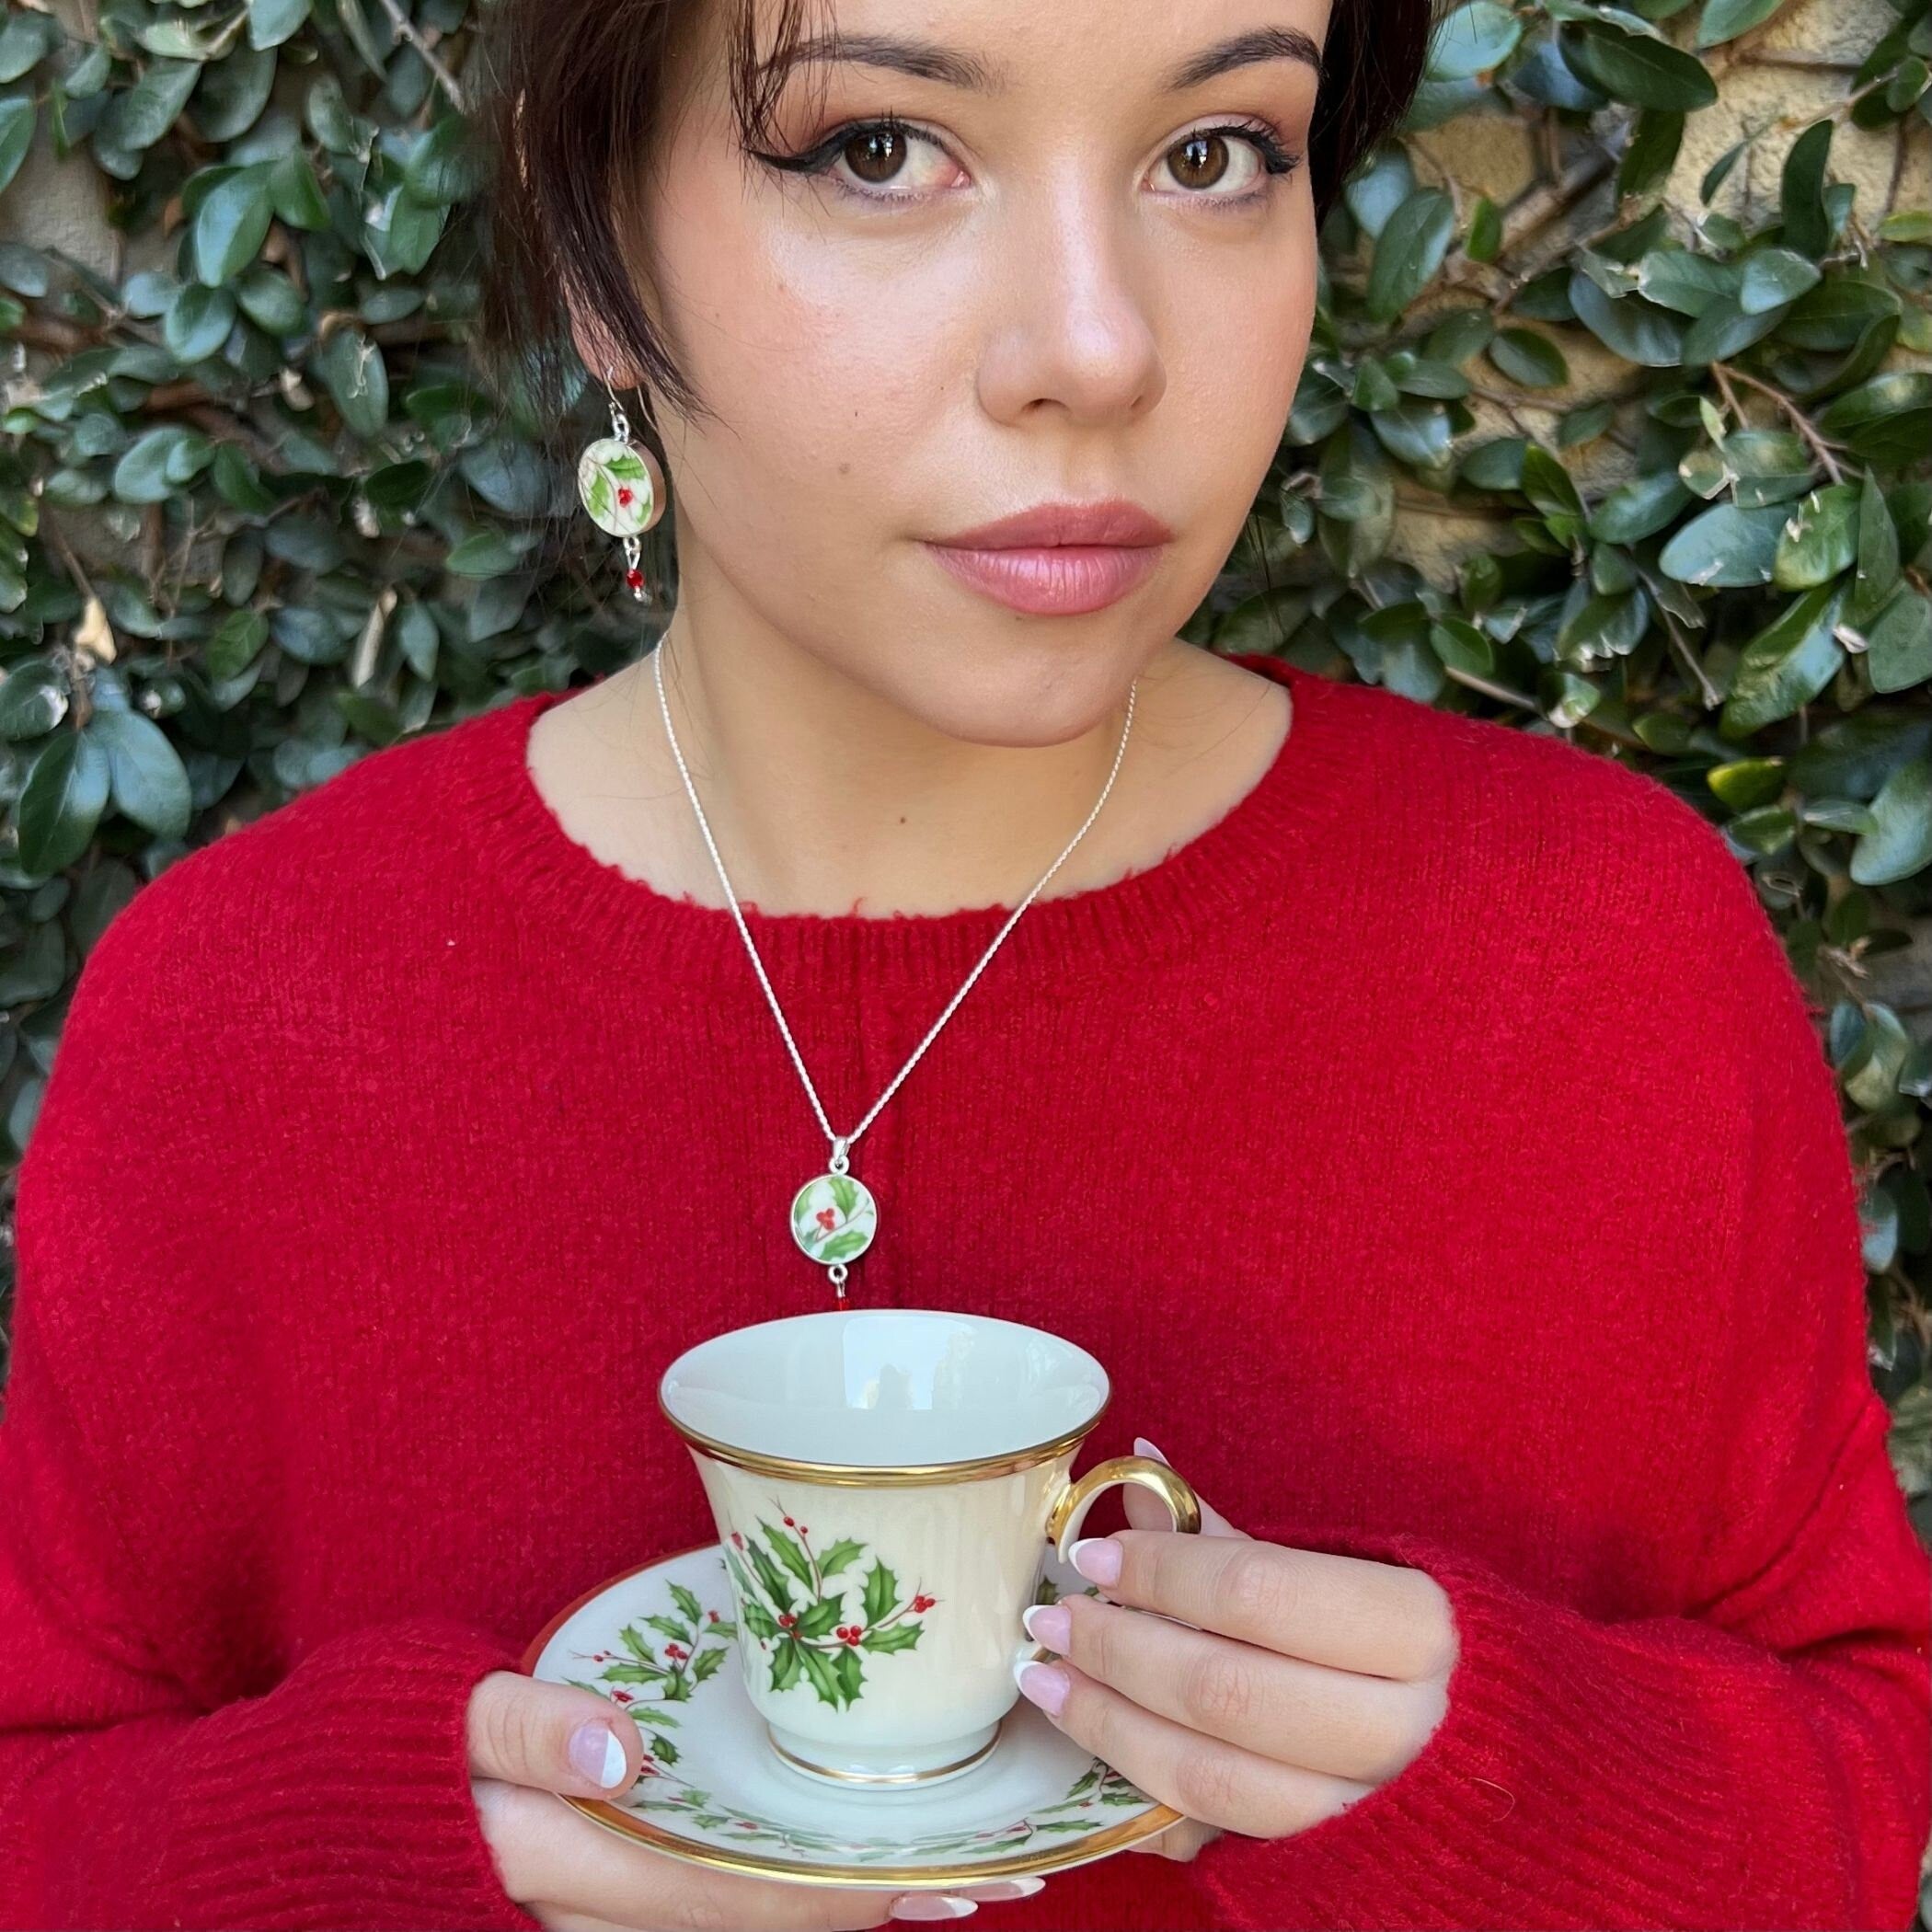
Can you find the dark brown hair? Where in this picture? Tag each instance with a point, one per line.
(576, 91)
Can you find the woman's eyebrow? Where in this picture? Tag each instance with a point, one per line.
(924, 60)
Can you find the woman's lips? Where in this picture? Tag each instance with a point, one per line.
(1060, 581)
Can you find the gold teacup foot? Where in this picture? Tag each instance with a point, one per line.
(851, 1776)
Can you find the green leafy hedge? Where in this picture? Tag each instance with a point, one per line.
(258, 513)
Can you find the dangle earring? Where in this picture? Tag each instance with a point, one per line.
(622, 486)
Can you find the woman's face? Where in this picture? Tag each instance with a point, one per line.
(1075, 272)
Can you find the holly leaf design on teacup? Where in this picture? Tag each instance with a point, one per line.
(809, 1640)
(839, 1555)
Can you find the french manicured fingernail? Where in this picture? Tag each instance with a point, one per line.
(931, 1905)
(1045, 1685)
(1049, 1624)
(1008, 1889)
(596, 1754)
(1098, 1559)
(1142, 1446)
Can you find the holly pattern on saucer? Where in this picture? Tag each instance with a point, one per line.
(806, 1630)
(709, 1785)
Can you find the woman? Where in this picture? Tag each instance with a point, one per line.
(1419, 1117)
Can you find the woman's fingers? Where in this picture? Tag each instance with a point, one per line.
(546, 1850)
(1181, 1841)
(1364, 1729)
(552, 1737)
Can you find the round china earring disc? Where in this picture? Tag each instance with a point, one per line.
(615, 486)
(834, 1218)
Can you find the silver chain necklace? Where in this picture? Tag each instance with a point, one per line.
(833, 1216)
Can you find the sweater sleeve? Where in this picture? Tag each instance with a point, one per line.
(136, 1789)
(1760, 1757)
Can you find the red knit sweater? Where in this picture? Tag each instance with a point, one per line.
(1436, 1151)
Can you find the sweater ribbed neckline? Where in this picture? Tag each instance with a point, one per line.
(1246, 866)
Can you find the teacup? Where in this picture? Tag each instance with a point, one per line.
(885, 1482)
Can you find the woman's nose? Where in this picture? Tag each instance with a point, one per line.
(1071, 321)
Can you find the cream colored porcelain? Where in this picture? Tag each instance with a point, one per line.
(886, 1484)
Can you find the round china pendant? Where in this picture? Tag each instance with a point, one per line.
(615, 486)
(834, 1218)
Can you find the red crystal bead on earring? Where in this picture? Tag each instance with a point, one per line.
(635, 578)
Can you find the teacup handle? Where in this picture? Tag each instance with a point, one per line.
(1068, 1514)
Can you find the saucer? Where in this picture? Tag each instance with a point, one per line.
(658, 1642)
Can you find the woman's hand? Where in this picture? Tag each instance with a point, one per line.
(1289, 1683)
(529, 1740)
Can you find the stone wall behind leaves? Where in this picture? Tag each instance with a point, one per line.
(1616, 424)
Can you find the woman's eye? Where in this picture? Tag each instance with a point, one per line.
(888, 156)
(1202, 164)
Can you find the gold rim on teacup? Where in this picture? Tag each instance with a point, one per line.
(885, 1476)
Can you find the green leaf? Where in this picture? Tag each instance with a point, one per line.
(1726, 19)
(1676, 279)
(838, 1555)
(1651, 151)
(1484, 239)
(1785, 665)
(822, 1618)
(706, 1664)
(1885, 419)
(787, 1662)
(1767, 466)
(894, 1637)
(231, 223)
(1772, 277)
(686, 1601)
(679, 1633)
(33, 699)
(1807, 227)
(1548, 484)
(823, 1675)
(136, 120)
(881, 1591)
(1725, 546)
(850, 1673)
(60, 803)
(1636, 330)
(236, 642)
(1878, 555)
(1723, 330)
(770, 1577)
(352, 367)
(146, 775)
(757, 1619)
(1645, 72)
(198, 322)
(1475, 39)
(1409, 252)
(1898, 650)
(1819, 540)
(16, 124)
(1529, 359)
(295, 194)
(1639, 508)
(789, 1552)
(158, 463)
(1902, 845)
(271, 22)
